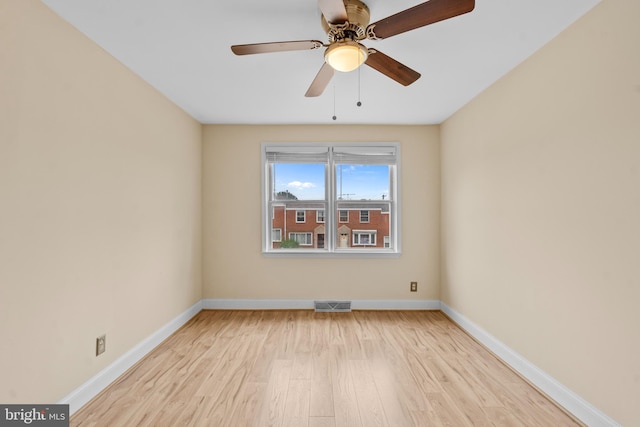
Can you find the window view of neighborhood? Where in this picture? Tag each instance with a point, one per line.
(361, 204)
(330, 198)
(304, 227)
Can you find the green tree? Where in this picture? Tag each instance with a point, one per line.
(285, 195)
(289, 243)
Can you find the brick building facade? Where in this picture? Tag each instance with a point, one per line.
(361, 228)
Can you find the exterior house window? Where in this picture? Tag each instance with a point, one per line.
(303, 239)
(330, 180)
(364, 237)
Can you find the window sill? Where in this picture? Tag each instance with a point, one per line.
(349, 253)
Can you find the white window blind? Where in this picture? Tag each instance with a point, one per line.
(370, 155)
(297, 154)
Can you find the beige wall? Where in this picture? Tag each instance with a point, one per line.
(541, 209)
(100, 210)
(233, 265)
(99, 206)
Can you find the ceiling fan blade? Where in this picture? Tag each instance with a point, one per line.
(333, 10)
(321, 81)
(250, 49)
(419, 16)
(391, 68)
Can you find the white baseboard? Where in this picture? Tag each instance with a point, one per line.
(304, 304)
(576, 405)
(411, 304)
(87, 391)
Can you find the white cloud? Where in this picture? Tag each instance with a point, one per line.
(301, 185)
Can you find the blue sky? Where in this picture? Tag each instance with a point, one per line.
(306, 181)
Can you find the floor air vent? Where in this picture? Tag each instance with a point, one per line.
(330, 306)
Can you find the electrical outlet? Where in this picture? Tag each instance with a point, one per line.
(414, 287)
(101, 344)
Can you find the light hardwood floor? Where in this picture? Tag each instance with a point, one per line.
(301, 368)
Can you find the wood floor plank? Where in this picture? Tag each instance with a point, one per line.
(299, 368)
(302, 366)
(503, 417)
(371, 410)
(247, 409)
(422, 369)
(322, 422)
(170, 414)
(321, 364)
(321, 399)
(396, 399)
(275, 399)
(447, 411)
(296, 410)
(345, 403)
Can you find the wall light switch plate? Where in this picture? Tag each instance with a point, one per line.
(101, 344)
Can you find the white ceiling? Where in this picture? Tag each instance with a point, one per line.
(181, 47)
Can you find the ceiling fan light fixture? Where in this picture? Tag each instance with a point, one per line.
(346, 55)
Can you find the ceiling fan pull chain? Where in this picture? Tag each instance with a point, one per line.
(359, 104)
(334, 103)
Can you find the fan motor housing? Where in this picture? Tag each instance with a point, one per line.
(355, 28)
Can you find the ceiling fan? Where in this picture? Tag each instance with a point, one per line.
(346, 23)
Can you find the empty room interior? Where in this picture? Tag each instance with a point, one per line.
(136, 211)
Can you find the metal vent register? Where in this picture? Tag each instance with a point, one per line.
(330, 306)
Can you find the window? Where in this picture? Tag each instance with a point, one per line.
(364, 238)
(335, 179)
(303, 239)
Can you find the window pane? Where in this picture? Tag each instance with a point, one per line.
(298, 181)
(295, 234)
(362, 182)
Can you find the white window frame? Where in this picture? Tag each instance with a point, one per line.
(320, 216)
(279, 232)
(336, 153)
(368, 216)
(340, 215)
(304, 216)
